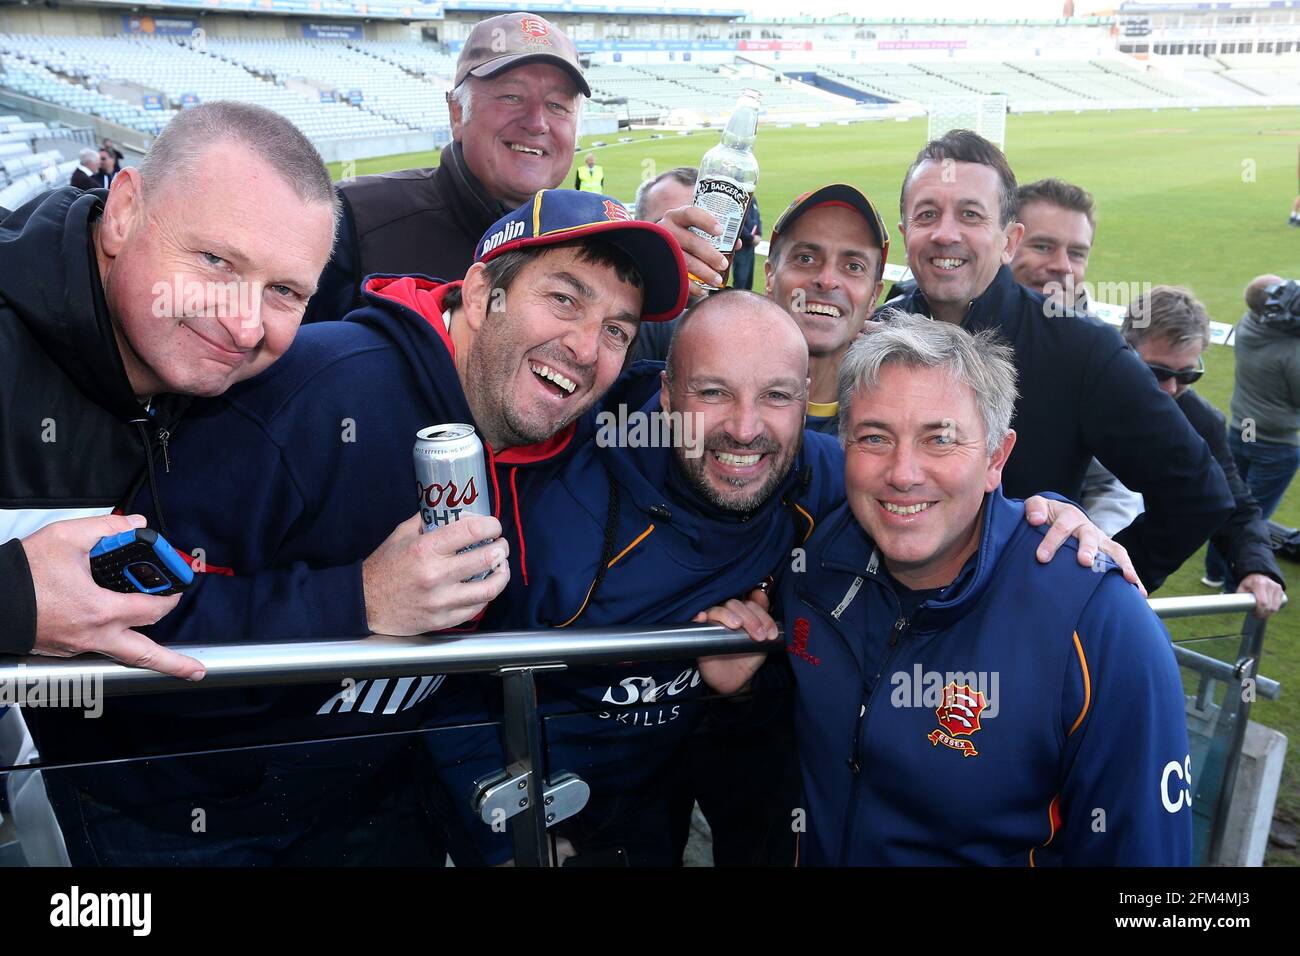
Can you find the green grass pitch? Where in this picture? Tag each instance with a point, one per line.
(1186, 197)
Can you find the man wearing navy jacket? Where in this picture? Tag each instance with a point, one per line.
(958, 701)
(1079, 383)
(700, 481)
(292, 486)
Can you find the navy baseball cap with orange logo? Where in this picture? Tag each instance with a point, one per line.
(555, 216)
(837, 194)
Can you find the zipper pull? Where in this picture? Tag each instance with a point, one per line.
(855, 765)
(163, 436)
(899, 627)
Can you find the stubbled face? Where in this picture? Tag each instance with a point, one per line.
(207, 280)
(520, 130)
(1180, 358)
(665, 195)
(1055, 249)
(951, 229)
(743, 375)
(547, 348)
(827, 277)
(916, 470)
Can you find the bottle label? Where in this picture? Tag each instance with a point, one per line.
(727, 200)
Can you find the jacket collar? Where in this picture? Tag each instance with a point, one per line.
(1000, 306)
(471, 206)
(851, 550)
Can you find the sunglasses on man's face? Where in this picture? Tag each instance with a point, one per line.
(1184, 376)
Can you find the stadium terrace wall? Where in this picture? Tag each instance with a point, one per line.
(130, 139)
(93, 22)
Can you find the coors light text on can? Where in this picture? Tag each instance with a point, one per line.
(450, 474)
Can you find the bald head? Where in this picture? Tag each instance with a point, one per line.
(738, 365)
(738, 324)
(1257, 291)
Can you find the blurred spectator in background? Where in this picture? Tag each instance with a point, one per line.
(654, 197)
(742, 263)
(112, 148)
(1170, 331)
(1295, 206)
(86, 175)
(1265, 434)
(107, 169)
(590, 178)
(515, 107)
(666, 191)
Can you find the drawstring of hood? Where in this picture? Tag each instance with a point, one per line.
(523, 546)
(149, 467)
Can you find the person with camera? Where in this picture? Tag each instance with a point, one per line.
(1264, 436)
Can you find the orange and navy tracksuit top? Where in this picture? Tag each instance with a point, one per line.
(1026, 715)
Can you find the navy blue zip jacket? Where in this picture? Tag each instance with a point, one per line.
(1028, 714)
(1084, 393)
(288, 482)
(668, 555)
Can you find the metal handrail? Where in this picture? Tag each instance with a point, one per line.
(307, 662)
(517, 655)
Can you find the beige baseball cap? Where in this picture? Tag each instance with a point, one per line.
(504, 42)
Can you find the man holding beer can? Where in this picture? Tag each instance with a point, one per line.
(301, 502)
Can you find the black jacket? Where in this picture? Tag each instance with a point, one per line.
(72, 434)
(1084, 393)
(1244, 537)
(411, 222)
(83, 180)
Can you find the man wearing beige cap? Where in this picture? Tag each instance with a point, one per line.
(515, 103)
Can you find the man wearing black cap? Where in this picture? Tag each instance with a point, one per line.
(824, 267)
(515, 104)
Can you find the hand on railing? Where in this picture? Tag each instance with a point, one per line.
(730, 673)
(1269, 595)
(417, 583)
(74, 615)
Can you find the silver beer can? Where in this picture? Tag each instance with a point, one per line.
(450, 475)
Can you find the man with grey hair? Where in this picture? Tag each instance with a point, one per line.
(929, 644)
(515, 103)
(1170, 331)
(116, 307)
(86, 175)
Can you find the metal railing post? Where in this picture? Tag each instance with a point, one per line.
(1252, 643)
(521, 741)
